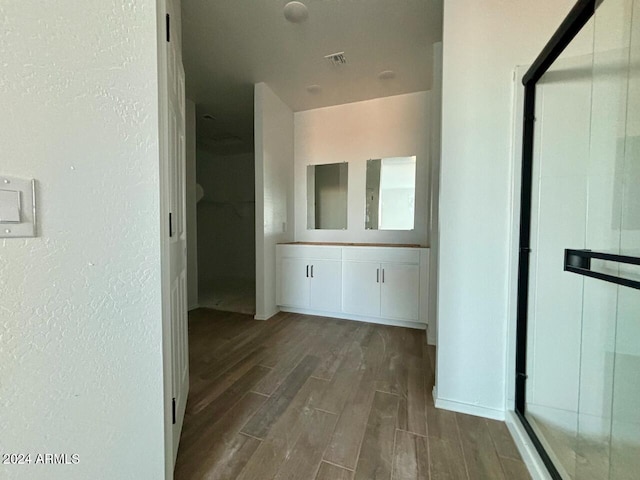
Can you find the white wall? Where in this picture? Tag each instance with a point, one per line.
(226, 218)
(81, 314)
(434, 181)
(192, 217)
(354, 133)
(483, 42)
(274, 145)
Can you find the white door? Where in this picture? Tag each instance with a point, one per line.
(326, 285)
(400, 297)
(294, 289)
(361, 288)
(176, 229)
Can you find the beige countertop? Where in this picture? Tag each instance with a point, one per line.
(347, 244)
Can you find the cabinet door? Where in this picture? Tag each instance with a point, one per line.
(361, 288)
(294, 283)
(400, 297)
(326, 285)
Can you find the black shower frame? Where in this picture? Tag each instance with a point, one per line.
(579, 15)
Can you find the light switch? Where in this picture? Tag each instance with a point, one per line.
(9, 206)
(17, 207)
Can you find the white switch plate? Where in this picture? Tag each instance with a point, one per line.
(9, 206)
(23, 191)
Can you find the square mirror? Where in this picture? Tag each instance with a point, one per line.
(391, 193)
(327, 196)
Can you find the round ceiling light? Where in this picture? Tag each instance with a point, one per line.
(387, 75)
(296, 12)
(314, 89)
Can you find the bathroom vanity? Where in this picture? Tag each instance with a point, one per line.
(378, 283)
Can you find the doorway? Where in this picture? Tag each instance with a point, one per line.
(225, 173)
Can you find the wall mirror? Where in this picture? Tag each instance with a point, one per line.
(327, 196)
(391, 193)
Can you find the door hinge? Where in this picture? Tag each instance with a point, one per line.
(170, 224)
(173, 410)
(168, 21)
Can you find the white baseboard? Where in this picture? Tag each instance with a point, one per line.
(431, 336)
(527, 449)
(265, 316)
(467, 408)
(357, 318)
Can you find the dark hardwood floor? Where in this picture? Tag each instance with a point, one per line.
(303, 398)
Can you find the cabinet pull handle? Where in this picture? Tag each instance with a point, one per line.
(383, 275)
(377, 275)
(311, 271)
(307, 271)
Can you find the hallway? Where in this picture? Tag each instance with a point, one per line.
(305, 397)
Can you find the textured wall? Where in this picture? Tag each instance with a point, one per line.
(385, 127)
(80, 305)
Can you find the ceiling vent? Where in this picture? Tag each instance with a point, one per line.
(336, 59)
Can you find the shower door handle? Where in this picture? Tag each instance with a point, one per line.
(579, 261)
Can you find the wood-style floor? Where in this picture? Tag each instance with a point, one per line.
(304, 398)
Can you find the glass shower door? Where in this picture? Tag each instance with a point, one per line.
(603, 234)
(624, 449)
(558, 222)
(583, 319)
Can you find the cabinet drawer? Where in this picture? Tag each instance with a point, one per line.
(320, 252)
(382, 254)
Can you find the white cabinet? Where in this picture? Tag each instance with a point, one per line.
(369, 283)
(325, 285)
(294, 282)
(307, 282)
(361, 288)
(400, 291)
(386, 290)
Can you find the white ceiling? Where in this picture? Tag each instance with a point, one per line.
(229, 45)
